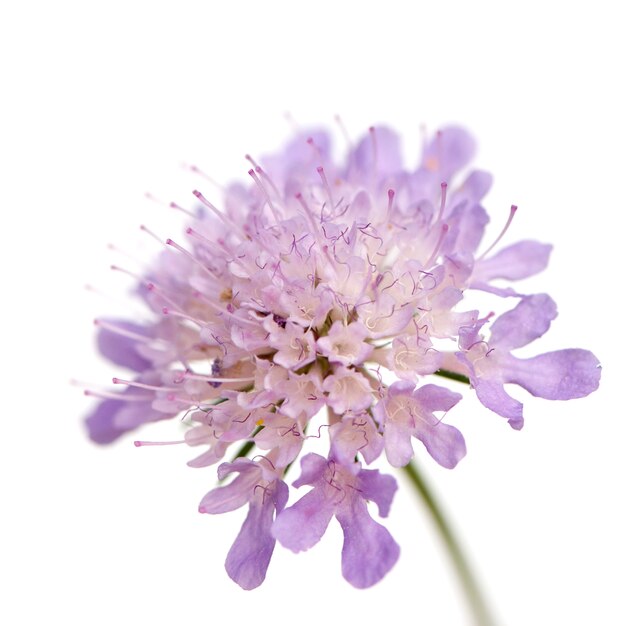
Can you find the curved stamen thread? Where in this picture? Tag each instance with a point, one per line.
(506, 227)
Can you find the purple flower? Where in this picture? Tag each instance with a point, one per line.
(560, 375)
(249, 557)
(405, 412)
(310, 291)
(369, 551)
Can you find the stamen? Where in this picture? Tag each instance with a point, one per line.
(442, 205)
(161, 293)
(309, 214)
(111, 395)
(145, 229)
(226, 312)
(372, 132)
(137, 277)
(124, 332)
(220, 215)
(315, 147)
(214, 379)
(196, 170)
(320, 171)
(343, 130)
(140, 444)
(166, 311)
(128, 255)
(190, 256)
(433, 256)
(177, 207)
(261, 187)
(169, 205)
(506, 227)
(390, 196)
(134, 383)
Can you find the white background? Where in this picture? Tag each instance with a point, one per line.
(104, 101)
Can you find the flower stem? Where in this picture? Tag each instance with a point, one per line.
(482, 616)
(453, 376)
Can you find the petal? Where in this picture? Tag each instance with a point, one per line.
(436, 398)
(369, 550)
(521, 260)
(313, 467)
(560, 375)
(444, 443)
(348, 390)
(379, 488)
(379, 153)
(354, 435)
(466, 228)
(503, 292)
(474, 187)
(232, 496)
(134, 414)
(100, 422)
(451, 149)
(398, 446)
(492, 395)
(526, 322)
(122, 349)
(299, 157)
(249, 557)
(302, 525)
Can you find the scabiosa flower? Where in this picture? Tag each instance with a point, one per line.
(311, 289)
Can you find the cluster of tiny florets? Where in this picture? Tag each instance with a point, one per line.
(309, 291)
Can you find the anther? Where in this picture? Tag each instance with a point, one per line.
(390, 196)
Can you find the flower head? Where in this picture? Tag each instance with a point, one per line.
(311, 288)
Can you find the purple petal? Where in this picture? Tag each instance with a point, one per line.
(299, 156)
(398, 445)
(444, 443)
(379, 488)
(526, 322)
(313, 467)
(250, 554)
(112, 418)
(503, 292)
(466, 228)
(436, 398)
(560, 375)
(100, 422)
(521, 260)
(369, 551)
(449, 151)
(134, 414)
(492, 395)
(232, 496)
(121, 349)
(379, 152)
(302, 525)
(474, 188)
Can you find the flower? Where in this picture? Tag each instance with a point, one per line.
(314, 286)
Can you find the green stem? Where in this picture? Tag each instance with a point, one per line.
(473, 594)
(453, 376)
